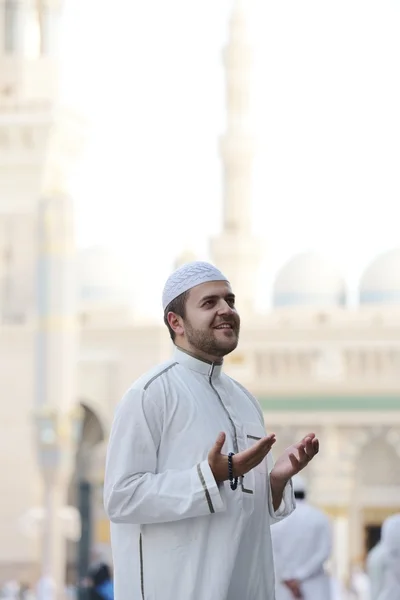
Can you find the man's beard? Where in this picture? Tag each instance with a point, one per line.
(207, 342)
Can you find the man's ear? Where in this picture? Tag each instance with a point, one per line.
(176, 323)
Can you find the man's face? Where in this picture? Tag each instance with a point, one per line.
(211, 324)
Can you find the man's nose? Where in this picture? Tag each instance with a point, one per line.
(225, 308)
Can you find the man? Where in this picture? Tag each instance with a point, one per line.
(391, 546)
(376, 566)
(100, 585)
(302, 544)
(189, 522)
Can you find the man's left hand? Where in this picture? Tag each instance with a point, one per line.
(295, 458)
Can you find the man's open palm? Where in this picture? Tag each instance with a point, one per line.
(296, 457)
(242, 462)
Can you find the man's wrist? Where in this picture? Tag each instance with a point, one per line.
(220, 472)
(277, 484)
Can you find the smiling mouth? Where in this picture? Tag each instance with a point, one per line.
(224, 326)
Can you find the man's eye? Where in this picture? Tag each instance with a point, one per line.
(208, 303)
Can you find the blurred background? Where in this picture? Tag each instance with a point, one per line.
(135, 136)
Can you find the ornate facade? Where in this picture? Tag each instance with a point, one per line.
(315, 364)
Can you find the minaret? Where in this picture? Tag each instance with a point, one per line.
(39, 144)
(236, 252)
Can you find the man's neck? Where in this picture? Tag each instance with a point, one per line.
(212, 360)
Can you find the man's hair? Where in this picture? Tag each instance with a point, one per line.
(299, 495)
(177, 306)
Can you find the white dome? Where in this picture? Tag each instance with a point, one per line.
(103, 279)
(308, 279)
(185, 257)
(380, 282)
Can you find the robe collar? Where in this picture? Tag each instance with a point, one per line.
(197, 364)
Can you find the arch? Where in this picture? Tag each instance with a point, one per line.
(98, 409)
(377, 463)
(364, 436)
(92, 429)
(85, 491)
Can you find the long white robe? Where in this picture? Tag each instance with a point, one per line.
(175, 533)
(391, 545)
(302, 543)
(376, 566)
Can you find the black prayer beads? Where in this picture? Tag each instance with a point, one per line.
(232, 480)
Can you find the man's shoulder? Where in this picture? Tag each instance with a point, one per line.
(145, 387)
(146, 381)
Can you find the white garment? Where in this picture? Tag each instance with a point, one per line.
(46, 588)
(175, 533)
(337, 589)
(376, 565)
(302, 543)
(10, 590)
(359, 582)
(391, 545)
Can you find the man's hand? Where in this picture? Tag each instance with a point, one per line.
(294, 587)
(242, 462)
(295, 458)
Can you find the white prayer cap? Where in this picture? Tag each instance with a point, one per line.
(299, 485)
(187, 277)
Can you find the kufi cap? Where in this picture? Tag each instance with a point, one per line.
(299, 485)
(187, 277)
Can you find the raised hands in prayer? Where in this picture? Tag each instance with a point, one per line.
(295, 458)
(242, 462)
(292, 461)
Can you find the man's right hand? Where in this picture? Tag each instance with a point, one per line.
(294, 587)
(243, 462)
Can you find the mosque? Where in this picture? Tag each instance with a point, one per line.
(314, 363)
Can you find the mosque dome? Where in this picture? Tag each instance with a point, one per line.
(184, 257)
(380, 282)
(103, 279)
(309, 279)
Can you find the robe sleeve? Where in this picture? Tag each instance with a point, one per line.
(134, 492)
(288, 503)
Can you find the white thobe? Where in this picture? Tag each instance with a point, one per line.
(302, 543)
(376, 565)
(391, 546)
(359, 583)
(175, 533)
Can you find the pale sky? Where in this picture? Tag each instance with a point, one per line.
(326, 94)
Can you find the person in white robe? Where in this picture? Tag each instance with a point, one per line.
(391, 545)
(337, 589)
(376, 566)
(190, 520)
(46, 588)
(359, 582)
(302, 544)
